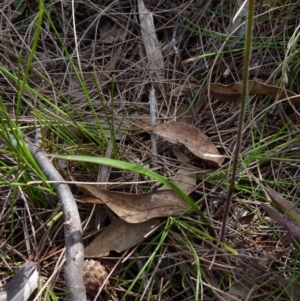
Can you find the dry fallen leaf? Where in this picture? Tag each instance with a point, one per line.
(248, 274)
(137, 208)
(284, 221)
(282, 202)
(291, 218)
(186, 175)
(192, 138)
(166, 115)
(112, 33)
(119, 236)
(233, 91)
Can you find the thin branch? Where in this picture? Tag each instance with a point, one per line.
(21, 286)
(153, 111)
(72, 225)
(174, 42)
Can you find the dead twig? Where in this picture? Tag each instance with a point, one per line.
(72, 225)
(152, 104)
(22, 284)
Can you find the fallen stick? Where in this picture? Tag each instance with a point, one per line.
(21, 286)
(73, 269)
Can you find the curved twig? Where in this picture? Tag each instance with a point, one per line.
(72, 225)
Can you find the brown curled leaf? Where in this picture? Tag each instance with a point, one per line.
(186, 175)
(137, 208)
(192, 138)
(183, 112)
(284, 205)
(233, 91)
(284, 221)
(119, 236)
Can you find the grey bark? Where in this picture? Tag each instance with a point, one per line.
(73, 269)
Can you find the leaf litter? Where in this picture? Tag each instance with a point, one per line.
(233, 91)
(138, 213)
(192, 138)
(137, 208)
(124, 76)
(287, 215)
(182, 114)
(185, 177)
(119, 236)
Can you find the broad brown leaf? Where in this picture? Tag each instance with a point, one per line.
(186, 175)
(285, 205)
(192, 138)
(291, 218)
(284, 221)
(233, 91)
(111, 34)
(172, 113)
(119, 236)
(249, 274)
(185, 179)
(137, 208)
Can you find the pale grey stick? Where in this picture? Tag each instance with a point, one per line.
(73, 270)
(20, 287)
(153, 112)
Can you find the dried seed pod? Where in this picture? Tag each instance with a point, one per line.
(94, 276)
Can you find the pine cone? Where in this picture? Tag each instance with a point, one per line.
(94, 275)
